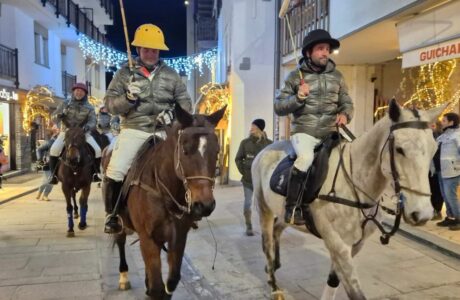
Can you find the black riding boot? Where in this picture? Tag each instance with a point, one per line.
(97, 168)
(295, 185)
(54, 165)
(112, 191)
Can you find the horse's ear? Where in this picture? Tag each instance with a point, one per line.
(434, 113)
(394, 110)
(184, 118)
(215, 117)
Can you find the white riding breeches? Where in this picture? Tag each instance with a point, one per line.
(110, 136)
(58, 145)
(304, 146)
(125, 148)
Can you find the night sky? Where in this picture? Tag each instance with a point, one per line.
(169, 15)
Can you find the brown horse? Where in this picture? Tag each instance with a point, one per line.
(75, 173)
(169, 186)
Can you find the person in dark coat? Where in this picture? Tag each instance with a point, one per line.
(248, 150)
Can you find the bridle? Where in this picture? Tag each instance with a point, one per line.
(75, 168)
(178, 152)
(398, 188)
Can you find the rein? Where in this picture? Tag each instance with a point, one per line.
(75, 169)
(185, 209)
(331, 196)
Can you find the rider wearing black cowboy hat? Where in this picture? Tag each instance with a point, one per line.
(317, 101)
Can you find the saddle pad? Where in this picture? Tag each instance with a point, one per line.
(280, 177)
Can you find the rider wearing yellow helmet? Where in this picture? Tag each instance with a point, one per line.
(144, 97)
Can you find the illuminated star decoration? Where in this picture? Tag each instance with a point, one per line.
(109, 57)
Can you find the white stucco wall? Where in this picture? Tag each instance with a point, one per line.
(247, 29)
(350, 15)
(17, 31)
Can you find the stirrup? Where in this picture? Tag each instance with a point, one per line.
(119, 222)
(292, 219)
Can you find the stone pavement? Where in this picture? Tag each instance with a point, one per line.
(402, 270)
(19, 185)
(37, 261)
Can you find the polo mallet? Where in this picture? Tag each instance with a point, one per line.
(125, 30)
(283, 14)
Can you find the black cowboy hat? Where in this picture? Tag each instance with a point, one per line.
(318, 36)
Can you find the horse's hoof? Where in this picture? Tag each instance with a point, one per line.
(82, 226)
(70, 233)
(123, 286)
(76, 216)
(278, 295)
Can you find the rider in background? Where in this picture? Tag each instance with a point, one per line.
(103, 123)
(317, 103)
(144, 98)
(76, 111)
(42, 162)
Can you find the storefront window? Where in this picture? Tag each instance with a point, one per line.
(4, 130)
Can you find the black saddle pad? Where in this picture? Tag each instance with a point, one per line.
(316, 174)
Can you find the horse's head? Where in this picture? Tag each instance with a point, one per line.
(195, 158)
(406, 157)
(74, 140)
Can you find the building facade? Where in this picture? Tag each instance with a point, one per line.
(39, 45)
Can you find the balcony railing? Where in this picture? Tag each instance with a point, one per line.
(108, 6)
(9, 64)
(308, 15)
(75, 16)
(206, 29)
(68, 81)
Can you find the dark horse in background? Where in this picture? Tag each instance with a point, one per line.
(75, 172)
(169, 186)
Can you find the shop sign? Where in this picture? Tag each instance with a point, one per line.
(439, 52)
(8, 95)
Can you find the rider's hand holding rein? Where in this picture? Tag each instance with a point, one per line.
(133, 91)
(341, 120)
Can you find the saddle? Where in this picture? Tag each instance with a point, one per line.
(317, 173)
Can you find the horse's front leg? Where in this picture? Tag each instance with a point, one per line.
(68, 195)
(175, 255)
(151, 254)
(330, 289)
(123, 283)
(75, 206)
(342, 264)
(84, 206)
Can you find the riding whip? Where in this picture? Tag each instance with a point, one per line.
(283, 14)
(125, 30)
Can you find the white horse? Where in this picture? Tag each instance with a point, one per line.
(403, 136)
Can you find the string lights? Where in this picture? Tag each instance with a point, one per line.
(427, 86)
(37, 103)
(110, 57)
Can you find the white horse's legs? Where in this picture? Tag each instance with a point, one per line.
(331, 287)
(341, 256)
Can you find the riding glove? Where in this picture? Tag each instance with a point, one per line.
(133, 91)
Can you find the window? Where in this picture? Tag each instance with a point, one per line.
(97, 75)
(41, 45)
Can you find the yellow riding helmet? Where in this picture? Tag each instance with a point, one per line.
(149, 36)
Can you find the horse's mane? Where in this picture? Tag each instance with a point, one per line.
(75, 134)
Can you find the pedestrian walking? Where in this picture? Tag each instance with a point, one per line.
(436, 197)
(248, 150)
(449, 179)
(43, 162)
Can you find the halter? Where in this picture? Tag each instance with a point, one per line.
(331, 196)
(76, 168)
